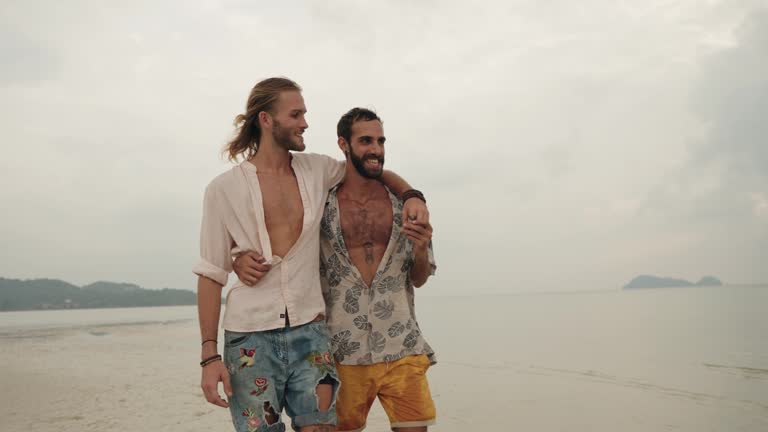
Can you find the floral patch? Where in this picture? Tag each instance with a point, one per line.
(253, 420)
(261, 386)
(247, 357)
(322, 361)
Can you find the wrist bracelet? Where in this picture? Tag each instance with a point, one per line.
(210, 360)
(209, 340)
(413, 193)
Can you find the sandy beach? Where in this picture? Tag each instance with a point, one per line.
(110, 378)
(538, 363)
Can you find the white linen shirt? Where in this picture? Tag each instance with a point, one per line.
(233, 223)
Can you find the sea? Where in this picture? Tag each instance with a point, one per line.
(679, 359)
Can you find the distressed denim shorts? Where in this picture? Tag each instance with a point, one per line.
(281, 368)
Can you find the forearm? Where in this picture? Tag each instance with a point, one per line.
(394, 182)
(421, 269)
(208, 311)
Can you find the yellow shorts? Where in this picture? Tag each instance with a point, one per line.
(402, 389)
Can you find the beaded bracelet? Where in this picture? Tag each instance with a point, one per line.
(210, 360)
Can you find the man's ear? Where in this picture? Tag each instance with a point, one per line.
(265, 119)
(343, 145)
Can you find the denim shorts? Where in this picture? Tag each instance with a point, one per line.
(281, 368)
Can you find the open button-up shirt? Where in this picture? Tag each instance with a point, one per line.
(370, 324)
(233, 223)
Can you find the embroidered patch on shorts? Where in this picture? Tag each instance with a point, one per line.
(322, 361)
(261, 386)
(253, 419)
(247, 357)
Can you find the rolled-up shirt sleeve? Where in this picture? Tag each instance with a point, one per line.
(215, 241)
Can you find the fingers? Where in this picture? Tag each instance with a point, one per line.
(251, 267)
(256, 262)
(421, 214)
(417, 235)
(211, 392)
(416, 209)
(419, 238)
(255, 256)
(415, 229)
(422, 217)
(215, 399)
(416, 213)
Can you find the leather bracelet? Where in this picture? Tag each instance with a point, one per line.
(209, 340)
(210, 360)
(413, 193)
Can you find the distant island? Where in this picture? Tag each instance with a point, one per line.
(34, 294)
(648, 281)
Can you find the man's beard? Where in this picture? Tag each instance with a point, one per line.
(285, 139)
(359, 165)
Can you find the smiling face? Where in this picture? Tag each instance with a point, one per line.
(288, 122)
(366, 150)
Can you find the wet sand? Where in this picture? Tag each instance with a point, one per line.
(539, 364)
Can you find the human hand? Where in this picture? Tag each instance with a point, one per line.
(250, 267)
(213, 374)
(419, 234)
(415, 209)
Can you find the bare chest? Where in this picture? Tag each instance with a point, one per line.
(366, 224)
(283, 210)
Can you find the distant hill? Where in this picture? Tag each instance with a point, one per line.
(32, 294)
(648, 281)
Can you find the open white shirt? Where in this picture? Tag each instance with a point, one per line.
(233, 223)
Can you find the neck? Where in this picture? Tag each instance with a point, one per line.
(271, 158)
(357, 186)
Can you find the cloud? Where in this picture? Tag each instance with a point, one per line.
(25, 60)
(535, 129)
(732, 98)
(716, 195)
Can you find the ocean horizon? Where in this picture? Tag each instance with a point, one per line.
(685, 359)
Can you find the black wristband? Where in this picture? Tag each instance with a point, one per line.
(413, 193)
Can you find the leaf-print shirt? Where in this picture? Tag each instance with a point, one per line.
(370, 324)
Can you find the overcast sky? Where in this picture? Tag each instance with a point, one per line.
(561, 145)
